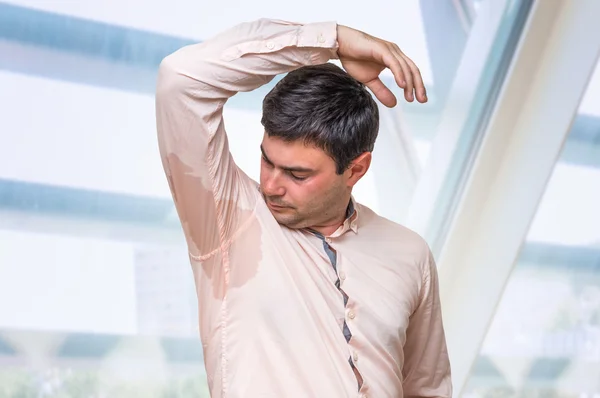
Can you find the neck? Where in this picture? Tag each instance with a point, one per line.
(330, 226)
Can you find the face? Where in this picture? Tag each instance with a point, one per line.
(300, 184)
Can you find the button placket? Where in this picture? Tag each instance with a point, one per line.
(349, 313)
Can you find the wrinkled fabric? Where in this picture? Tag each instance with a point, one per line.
(272, 308)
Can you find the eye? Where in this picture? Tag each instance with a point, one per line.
(264, 160)
(297, 178)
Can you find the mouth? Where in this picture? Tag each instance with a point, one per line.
(276, 207)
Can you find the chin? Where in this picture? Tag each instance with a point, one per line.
(289, 222)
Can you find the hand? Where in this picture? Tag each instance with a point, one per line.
(364, 57)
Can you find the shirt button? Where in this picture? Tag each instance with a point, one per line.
(355, 357)
(342, 275)
(328, 240)
(270, 45)
(351, 315)
(321, 39)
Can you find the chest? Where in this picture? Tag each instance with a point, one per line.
(333, 283)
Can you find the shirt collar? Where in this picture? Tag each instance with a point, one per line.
(351, 221)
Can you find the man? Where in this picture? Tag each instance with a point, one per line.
(302, 291)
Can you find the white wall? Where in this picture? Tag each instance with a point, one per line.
(568, 212)
(52, 282)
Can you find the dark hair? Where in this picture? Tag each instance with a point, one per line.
(324, 106)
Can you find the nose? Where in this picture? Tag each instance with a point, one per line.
(271, 185)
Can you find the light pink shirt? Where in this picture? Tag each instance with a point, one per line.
(271, 317)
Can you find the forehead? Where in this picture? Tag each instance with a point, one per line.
(295, 153)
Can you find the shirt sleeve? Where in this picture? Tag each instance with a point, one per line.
(426, 370)
(212, 196)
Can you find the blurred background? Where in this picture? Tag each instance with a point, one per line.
(499, 171)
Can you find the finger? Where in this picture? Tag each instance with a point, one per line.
(393, 63)
(383, 94)
(420, 91)
(409, 88)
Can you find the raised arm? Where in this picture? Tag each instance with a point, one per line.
(212, 196)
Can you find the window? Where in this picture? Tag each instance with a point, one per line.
(96, 294)
(544, 340)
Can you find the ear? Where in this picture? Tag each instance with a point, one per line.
(358, 168)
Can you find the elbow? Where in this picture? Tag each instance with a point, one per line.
(184, 73)
(169, 80)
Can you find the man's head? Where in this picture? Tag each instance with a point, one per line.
(320, 129)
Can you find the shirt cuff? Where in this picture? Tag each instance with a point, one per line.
(320, 35)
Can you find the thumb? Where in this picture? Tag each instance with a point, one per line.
(383, 94)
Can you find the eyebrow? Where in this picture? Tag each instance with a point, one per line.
(293, 169)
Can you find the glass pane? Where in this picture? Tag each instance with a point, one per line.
(544, 340)
(96, 293)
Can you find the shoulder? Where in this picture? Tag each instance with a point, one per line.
(393, 238)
